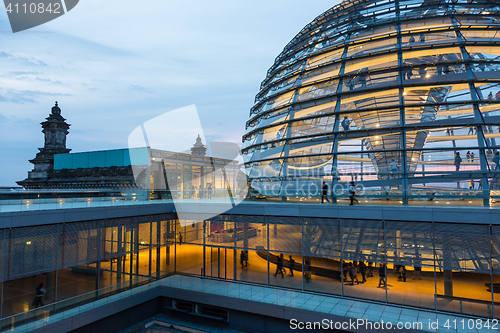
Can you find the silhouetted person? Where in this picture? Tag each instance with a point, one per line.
(467, 155)
(490, 96)
(458, 160)
(279, 266)
(180, 238)
(381, 274)
(242, 259)
(412, 40)
(291, 265)
(402, 272)
(209, 191)
(352, 193)
(246, 258)
(324, 193)
(496, 160)
(345, 124)
(422, 38)
(39, 291)
(370, 269)
(362, 270)
(353, 273)
(351, 85)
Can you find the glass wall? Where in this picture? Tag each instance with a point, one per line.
(449, 267)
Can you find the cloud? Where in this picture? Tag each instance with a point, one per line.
(25, 96)
(22, 60)
(141, 89)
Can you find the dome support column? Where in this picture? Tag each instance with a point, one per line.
(478, 119)
(402, 123)
(335, 177)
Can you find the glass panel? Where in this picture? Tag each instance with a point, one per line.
(463, 280)
(280, 100)
(320, 74)
(479, 35)
(371, 47)
(371, 80)
(437, 94)
(488, 91)
(434, 38)
(371, 63)
(377, 100)
(432, 113)
(372, 32)
(255, 266)
(305, 110)
(20, 295)
(324, 58)
(410, 268)
(433, 74)
(285, 270)
(219, 262)
(317, 90)
(490, 110)
(426, 56)
(426, 24)
(484, 52)
(362, 253)
(251, 235)
(189, 259)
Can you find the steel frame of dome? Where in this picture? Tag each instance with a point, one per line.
(388, 91)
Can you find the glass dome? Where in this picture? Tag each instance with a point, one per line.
(400, 96)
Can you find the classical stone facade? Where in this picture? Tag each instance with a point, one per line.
(198, 149)
(55, 129)
(90, 170)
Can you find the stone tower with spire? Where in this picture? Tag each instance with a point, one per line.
(198, 148)
(55, 130)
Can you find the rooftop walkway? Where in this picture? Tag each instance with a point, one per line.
(262, 300)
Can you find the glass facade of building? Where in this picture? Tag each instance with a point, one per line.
(448, 267)
(402, 97)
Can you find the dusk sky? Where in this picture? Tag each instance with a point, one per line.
(113, 65)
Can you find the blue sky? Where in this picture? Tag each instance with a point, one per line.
(115, 64)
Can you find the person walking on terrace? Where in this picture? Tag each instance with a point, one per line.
(242, 259)
(457, 162)
(209, 191)
(324, 193)
(353, 273)
(180, 238)
(39, 291)
(279, 266)
(352, 193)
(362, 270)
(381, 274)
